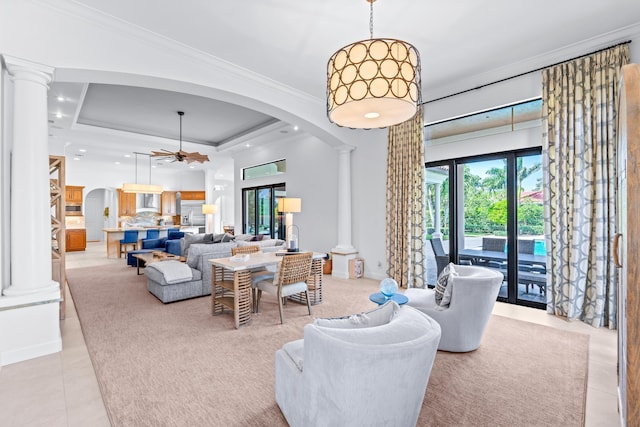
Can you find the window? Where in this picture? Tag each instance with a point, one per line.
(267, 169)
(260, 214)
(487, 210)
(505, 119)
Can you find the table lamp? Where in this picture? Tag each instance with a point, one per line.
(290, 205)
(209, 210)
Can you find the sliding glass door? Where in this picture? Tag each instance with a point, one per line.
(260, 214)
(492, 217)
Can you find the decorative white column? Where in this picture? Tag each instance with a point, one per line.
(29, 307)
(30, 191)
(344, 251)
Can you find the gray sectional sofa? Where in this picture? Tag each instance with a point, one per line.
(197, 255)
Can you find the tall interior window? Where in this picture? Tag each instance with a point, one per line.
(487, 210)
(260, 214)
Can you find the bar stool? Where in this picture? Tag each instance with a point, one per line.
(130, 238)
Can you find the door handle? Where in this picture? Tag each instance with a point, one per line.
(616, 244)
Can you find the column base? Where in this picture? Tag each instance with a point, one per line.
(30, 325)
(340, 259)
(14, 291)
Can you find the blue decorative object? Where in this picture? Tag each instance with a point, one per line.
(380, 299)
(388, 287)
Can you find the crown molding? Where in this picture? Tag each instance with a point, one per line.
(565, 53)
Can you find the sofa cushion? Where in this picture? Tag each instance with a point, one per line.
(444, 285)
(264, 243)
(190, 239)
(173, 235)
(153, 243)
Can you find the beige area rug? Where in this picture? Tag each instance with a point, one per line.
(175, 364)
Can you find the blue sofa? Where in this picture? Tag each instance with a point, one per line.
(170, 244)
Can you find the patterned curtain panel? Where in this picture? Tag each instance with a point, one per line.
(579, 101)
(405, 203)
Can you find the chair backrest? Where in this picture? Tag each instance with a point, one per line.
(245, 249)
(130, 236)
(493, 244)
(526, 246)
(169, 230)
(436, 245)
(152, 234)
(295, 268)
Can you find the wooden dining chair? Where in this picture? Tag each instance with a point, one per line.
(257, 274)
(291, 279)
(245, 250)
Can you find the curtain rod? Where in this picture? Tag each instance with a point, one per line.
(525, 73)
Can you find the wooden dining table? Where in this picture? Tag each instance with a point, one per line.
(231, 281)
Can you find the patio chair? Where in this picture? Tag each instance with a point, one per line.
(495, 245)
(442, 259)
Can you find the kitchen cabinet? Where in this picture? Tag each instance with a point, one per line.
(76, 240)
(73, 194)
(126, 203)
(168, 203)
(192, 195)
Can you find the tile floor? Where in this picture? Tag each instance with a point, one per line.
(61, 389)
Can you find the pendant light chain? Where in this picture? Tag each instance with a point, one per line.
(180, 113)
(371, 18)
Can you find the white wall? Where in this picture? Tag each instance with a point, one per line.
(311, 175)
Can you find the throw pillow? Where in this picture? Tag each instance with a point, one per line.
(190, 239)
(208, 238)
(257, 238)
(217, 238)
(444, 286)
(226, 238)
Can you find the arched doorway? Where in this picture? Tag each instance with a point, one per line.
(94, 212)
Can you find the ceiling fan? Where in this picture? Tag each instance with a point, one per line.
(181, 156)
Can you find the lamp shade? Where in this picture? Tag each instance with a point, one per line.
(141, 188)
(209, 209)
(373, 83)
(290, 204)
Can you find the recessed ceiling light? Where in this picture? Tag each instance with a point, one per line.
(82, 150)
(127, 155)
(167, 160)
(76, 158)
(191, 167)
(247, 145)
(295, 128)
(60, 98)
(117, 163)
(59, 115)
(153, 166)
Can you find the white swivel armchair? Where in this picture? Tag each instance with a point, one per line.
(364, 370)
(473, 295)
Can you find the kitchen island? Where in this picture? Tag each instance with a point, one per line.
(114, 235)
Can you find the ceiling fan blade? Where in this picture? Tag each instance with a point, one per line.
(163, 153)
(197, 157)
